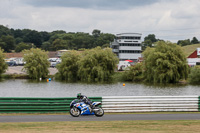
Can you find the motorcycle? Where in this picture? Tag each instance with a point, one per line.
(78, 108)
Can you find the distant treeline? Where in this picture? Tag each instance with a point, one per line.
(151, 40)
(18, 40)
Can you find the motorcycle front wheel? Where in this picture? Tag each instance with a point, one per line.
(74, 112)
(99, 112)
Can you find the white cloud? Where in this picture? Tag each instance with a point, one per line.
(166, 19)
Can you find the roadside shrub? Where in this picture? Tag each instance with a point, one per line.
(37, 63)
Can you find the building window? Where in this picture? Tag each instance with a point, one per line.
(129, 37)
(130, 51)
(129, 44)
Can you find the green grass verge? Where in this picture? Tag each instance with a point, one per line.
(147, 126)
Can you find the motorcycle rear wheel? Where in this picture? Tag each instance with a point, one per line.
(75, 112)
(100, 112)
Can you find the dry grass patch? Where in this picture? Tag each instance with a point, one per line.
(189, 49)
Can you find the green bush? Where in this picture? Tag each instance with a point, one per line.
(91, 65)
(3, 65)
(134, 73)
(97, 65)
(166, 63)
(118, 76)
(68, 68)
(194, 76)
(37, 63)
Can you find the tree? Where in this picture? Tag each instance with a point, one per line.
(103, 39)
(148, 43)
(18, 40)
(17, 33)
(33, 37)
(4, 31)
(107, 45)
(194, 40)
(97, 64)
(68, 68)
(2, 44)
(47, 46)
(96, 33)
(57, 39)
(59, 44)
(184, 42)
(81, 40)
(149, 40)
(45, 36)
(7, 43)
(151, 37)
(3, 65)
(58, 32)
(21, 46)
(194, 75)
(36, 63)
(134, 73)
(166, 63)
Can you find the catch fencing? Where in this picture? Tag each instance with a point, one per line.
(150, 103)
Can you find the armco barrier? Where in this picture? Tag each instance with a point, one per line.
(150, 103)
(34, 105)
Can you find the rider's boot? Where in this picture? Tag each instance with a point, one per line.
(90, 109)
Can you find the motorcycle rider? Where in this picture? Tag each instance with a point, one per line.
(85, 99)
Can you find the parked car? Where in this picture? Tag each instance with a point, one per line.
(11, 63)
(54, 61)
(53, 64)
(15, 61)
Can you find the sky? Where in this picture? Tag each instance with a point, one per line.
(170, 20)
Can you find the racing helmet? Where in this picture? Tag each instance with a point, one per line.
(79, 95)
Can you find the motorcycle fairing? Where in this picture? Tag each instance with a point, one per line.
(96, 103)
(84, 108)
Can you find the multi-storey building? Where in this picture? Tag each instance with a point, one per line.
(127, 46)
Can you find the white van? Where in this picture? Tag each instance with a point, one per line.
(19, 61)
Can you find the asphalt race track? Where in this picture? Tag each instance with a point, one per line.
(106, 117)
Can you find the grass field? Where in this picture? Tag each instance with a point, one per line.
(167, 126)
(139, 126)
(189, 49)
